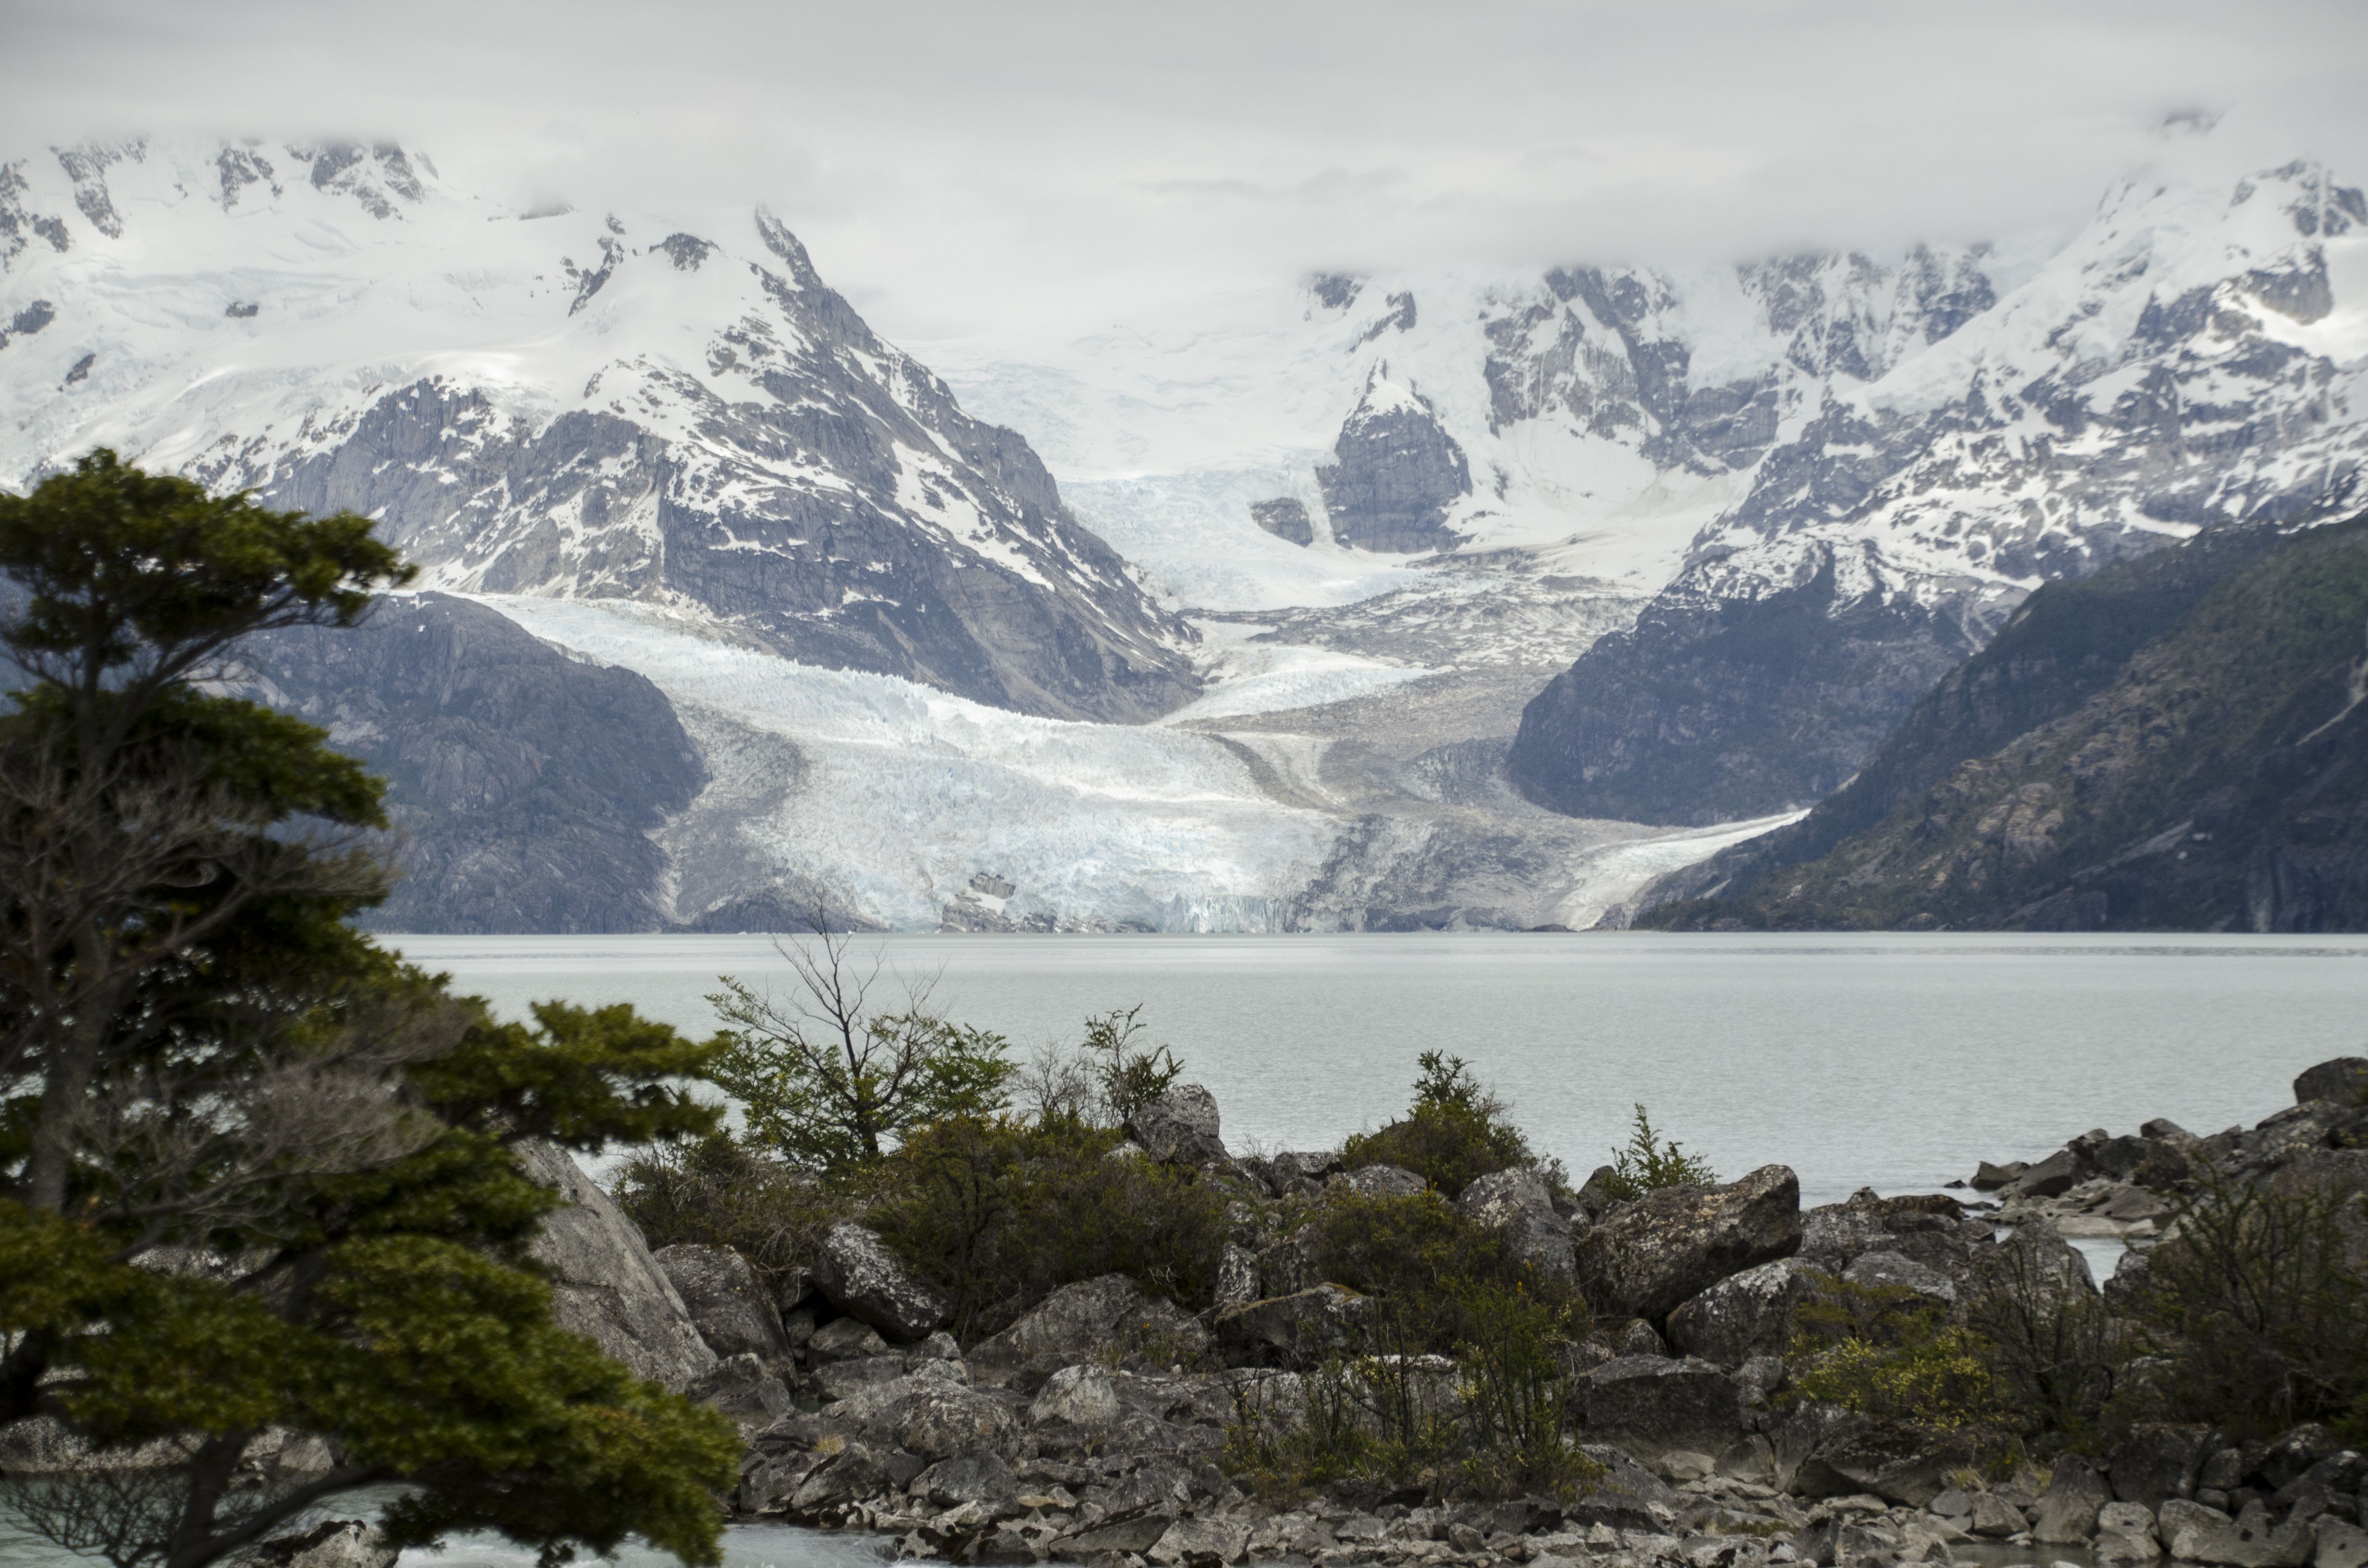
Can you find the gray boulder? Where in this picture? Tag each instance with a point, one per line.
(1082, 1396)
(857, 1471)
(1286, 1331)
(977, 1477)
(2180, 1524)
(2340, 1544)
(2067, 1509)
(725, 1300)
(2253, 1541)
(2344, 1080)
(2051, 1178)
(1383, 1181)
(843, 1339)
(1644, 1259)
(1744, 1314)
(604, 1284)
(1104, 1318)
(2158, 1461)
(1179, 1126)
(1652, 1404)
(864, 1280)
(332, 1543)
(1996, 1519)
(1518, 1202)
(1900, 1464)
(1897, 1271)
(1201, 1543)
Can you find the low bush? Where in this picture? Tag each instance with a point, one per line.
(1454, 1131)
(1649, 1162)
(1493, 1420)
(2056, 1352)
(719, 1192)
(1415, 1255)
(2256, 1303)
(1888, 1352)
(1000, 1211)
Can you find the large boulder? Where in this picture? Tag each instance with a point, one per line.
(1643, 1259)
(1287, 1331)
(1517, 1201)
(1651, 1405)
(1081, 1396)
(726, 1300)
(604, 1284)
(2069, 1508)
(865, 1281)
(2253, 1540)
(2158, 1461)
(1100, 1318)
(1744, 1314)
(1902, 1465)
(2344, 1080)
(1179, 1126)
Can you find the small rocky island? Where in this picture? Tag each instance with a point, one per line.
(1106, 1425)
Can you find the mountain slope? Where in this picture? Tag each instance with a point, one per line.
(523, 784)
(2185, 362)
(2219, 781)
(558, 404)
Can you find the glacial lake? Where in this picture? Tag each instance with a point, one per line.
(1895, 1062)
(1890, 1061)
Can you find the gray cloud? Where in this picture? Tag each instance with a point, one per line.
(956, 165)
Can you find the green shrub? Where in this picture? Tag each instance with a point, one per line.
(1454, 1131)
(1414, 1253)
(2258, 1307)
(719, 1192)
(1649, 1162)
(1000, 1211)
(1492, 1422)
(2056, 1349)
(1888, 1352)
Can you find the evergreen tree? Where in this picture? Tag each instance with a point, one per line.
(255, 1175)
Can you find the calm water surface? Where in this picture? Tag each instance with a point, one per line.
(1891, 1061)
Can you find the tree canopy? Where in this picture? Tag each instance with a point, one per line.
(256, 1172)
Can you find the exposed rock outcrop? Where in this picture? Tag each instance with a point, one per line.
(605, 1285)
(1643, 1259)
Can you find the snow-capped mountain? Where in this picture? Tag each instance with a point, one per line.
(561, 403)
(1832, 476)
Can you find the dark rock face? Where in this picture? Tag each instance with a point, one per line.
(2159, 1462)
(726, 1300)
(1644, 1259)
(2343, 1080)
(1712, 708)
(865, 1281)
(2065, 643)
(1395, 472)
(525, 782)
(1285, 518)
(2219, 781)
(604, 1284)
(1649, 1404)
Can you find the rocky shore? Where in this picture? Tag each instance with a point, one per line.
(1095, 1427)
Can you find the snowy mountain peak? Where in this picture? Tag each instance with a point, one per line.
(670, 408)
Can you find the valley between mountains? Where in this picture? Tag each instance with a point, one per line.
(1420, 601)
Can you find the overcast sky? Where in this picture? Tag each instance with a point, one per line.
(965, 166)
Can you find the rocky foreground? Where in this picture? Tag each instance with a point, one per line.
(1091, 1428)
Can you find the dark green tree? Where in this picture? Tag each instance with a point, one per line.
(256, 1175)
